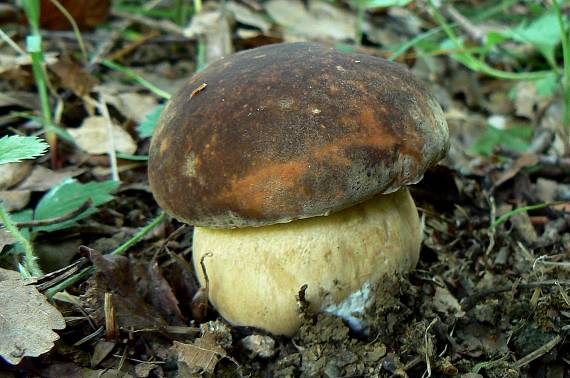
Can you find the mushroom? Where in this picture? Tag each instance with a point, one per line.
(292, 161)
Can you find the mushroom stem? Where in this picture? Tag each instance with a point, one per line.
(255, 273)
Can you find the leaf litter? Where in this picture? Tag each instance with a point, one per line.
(490, 294)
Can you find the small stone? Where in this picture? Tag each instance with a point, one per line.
(262, 346)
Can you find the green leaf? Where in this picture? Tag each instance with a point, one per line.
(516, 138)
(146, 128)
(546, 87)
(69, 196)
(543, 33)
(14, 148)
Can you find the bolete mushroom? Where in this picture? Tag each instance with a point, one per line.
(292, 161)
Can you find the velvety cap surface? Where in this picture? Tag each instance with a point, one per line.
(291, 131)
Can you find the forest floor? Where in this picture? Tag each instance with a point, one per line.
(490, 295)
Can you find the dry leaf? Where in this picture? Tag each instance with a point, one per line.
(26, 100)
(92, 137)
(26, 319)
(445, 302)
(6, 238)
(248, 16)
(42, 178)
(135, 106)
(15, 200)
(157, 291)
(202, 355)
(114, 275)
(212, 24)
(319, 20)
(73, 76)
(12, 173)
(527, 102)
(132, 105)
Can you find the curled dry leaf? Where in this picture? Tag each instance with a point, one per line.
(27, 319)
(92, 137)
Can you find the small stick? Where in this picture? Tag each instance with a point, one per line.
(199, 303)
(111, 329)
(538, 352)
(102, 105)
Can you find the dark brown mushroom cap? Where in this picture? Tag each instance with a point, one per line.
(291, 131)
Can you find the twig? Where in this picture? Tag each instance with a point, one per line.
(471, 29)
(106, 46)
(62, 218)
(180, 230)
(111, 328)
(163, 25)
(76, 30)
(53, 278)
(538, 352)
(199, 303)
(102, 105)
(118, 55)
(90, 336)
(6, 38)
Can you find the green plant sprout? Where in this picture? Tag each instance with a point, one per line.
(34, 47)
(466, 57)
(565, 37)
(523, 209)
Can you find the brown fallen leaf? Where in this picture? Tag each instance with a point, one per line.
(27, 319)
(43, 178)
(202, 355)
(73, 76)
(134, 106)
(318, 20)
(525, 160)
(158, 292)
(93, 137)
(14, 200)
(114, 275)
(13, 173)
